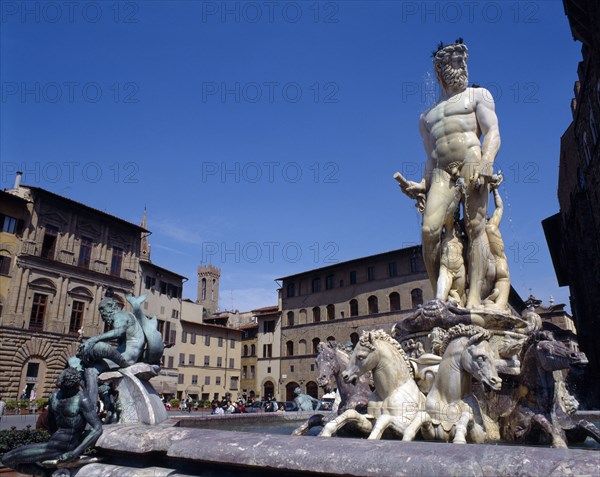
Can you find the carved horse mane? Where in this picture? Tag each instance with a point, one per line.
(381, 335)
(337, 355)
(476, 333)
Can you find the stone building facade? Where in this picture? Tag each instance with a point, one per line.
(69, 255)
(208, 357)
(163, 289)
(573, 234)
(337, 302)
(268, 375)
(249, 359)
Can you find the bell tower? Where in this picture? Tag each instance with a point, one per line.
(208, 288)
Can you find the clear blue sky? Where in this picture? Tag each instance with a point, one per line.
(262, 137)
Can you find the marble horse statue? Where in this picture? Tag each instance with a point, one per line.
(537, 415)
(452, 412)
(332, 359)
(396, 399)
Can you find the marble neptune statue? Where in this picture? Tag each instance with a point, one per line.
(459, 167)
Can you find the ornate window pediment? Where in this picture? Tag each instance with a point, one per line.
(88, 229)
(82, 293)
(43, 284)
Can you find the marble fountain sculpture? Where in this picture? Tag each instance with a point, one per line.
(464, 368)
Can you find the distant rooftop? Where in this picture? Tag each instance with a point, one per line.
(78, 204)
(407, 250)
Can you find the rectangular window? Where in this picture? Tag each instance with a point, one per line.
(244, 372)
(329, 282)
(116, 261)
(85, 252)
(163, 287)
(193, 338)
(392, 269)
(218, 380)
(168, 331)
(149, 282)
(4, 265)
(269, 370)
(173, 336)
(207, 340)
(353, 277)
(9, 225)
(234, 382)
(292, 368)
(192, 360)
(180, 379)
(231, 361)
(269, 326)
(316, 285)
(371, 274)
(232, 343)
(181, 359)
(194, 379)
(76, 316)
(170, 362)
(413, 264)
(312, 367)
(267, 351)
(291, 290)
(219, 361)
(184, 336)
(220, 342)
(175, 314)
(38, 311)
(49, 242)
(206, 360)
(207, 380)
(252, 372)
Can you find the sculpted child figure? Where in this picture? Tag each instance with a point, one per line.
(452, 278)
(498, 298)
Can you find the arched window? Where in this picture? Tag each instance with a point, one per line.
(269, 389)
(373, 305)
(394, 301)
(302, 347)
(354, 339)
(312, 389)
(315, 345)
(289, 348)
(289, 390)
(330, 312)
(245, 350)
(353, 308)
(316, 314)
(253, 350)
(302, 317)
(204, 288)
(290, 318)
(417, 297)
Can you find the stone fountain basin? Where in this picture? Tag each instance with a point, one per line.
(170, 449)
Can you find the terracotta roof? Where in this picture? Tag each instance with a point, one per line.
(265, 308)
(162, 269)
(248, 326)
